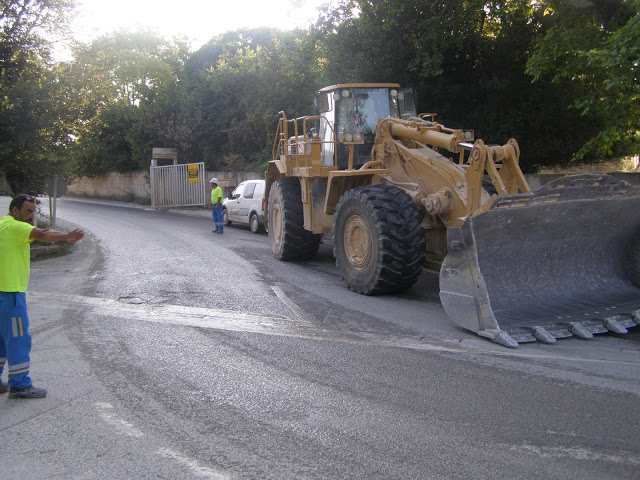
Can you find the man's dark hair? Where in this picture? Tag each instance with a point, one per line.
(18, 201)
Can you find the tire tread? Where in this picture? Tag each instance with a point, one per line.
(400, 237)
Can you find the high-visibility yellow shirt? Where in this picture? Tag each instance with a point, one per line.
(15, 255)
(216, 194)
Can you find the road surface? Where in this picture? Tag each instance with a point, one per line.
(170, 352)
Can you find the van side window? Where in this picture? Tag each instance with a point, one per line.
(237, 193)
(249, 189)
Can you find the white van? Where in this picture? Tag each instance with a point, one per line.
(245, 205)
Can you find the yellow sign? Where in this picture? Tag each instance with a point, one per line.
(193, 172)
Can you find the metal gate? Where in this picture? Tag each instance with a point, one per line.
(178, 185)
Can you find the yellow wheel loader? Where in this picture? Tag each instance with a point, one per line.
(399, 190)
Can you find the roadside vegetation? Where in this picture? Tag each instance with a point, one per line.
(560, 76)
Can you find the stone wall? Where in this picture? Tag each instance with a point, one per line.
(114, 186)
(134, 186)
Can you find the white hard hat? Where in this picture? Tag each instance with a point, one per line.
(214, 180)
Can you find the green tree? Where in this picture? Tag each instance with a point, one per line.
(471, 61)
(244, 79)
(131, 102)
(467, 60)
(34, 122)
(592, 49)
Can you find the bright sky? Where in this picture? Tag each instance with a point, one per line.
(200, 20)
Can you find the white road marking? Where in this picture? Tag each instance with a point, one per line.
(171, 314)
(192, 465)
(579, 453)
(297, 311)
(278, 325)
(122, 427)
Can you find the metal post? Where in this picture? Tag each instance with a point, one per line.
(55, 198)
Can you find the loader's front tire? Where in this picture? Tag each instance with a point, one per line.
(379, 242)
(287, 237)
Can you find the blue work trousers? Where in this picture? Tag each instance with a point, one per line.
(15, 340)
(216, 211)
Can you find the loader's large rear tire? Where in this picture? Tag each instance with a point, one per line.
(378, 239)
(287, 236)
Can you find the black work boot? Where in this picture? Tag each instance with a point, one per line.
(4, 388)
(29, 392)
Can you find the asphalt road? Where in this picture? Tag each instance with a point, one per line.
(169, 352)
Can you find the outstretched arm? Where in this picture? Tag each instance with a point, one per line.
(49, 235)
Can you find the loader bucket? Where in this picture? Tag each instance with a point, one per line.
(549, 264)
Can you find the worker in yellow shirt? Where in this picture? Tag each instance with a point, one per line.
(16, 234)
(216, 205)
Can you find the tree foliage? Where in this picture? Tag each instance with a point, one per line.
(560, 76)
(592, 49)
(243, 81)
(33, 119)
(467, 60)
(131, 100)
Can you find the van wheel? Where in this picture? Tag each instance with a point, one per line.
(287, 237)
(379, 242)
(254, 224)
(225, 218)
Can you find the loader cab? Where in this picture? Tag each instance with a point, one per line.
(353, 110)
